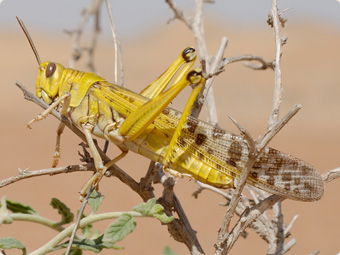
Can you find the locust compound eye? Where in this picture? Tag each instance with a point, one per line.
(50, 69)
(189, 54)
(194, 76)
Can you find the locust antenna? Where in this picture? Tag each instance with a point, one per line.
(24, 29)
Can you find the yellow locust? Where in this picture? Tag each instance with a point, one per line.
(144, 123)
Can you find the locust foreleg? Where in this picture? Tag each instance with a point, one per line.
(60, 130)
(45, 113)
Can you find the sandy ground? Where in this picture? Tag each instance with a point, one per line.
(310, 76)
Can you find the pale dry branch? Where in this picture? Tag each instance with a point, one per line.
(287, 247)
(118, 63)
(276, 127)
(195, 24)
(277, 95)
(261, 65)
(25, 174)
(203, 186)
(226, 239)
(331, 175)
(93, 9)
(262, 225)
(77, 223)
(290, 226)
(245, 220)
(280, 236)
(223, 234)
(178, 14)
(255, 149)
(315, 253)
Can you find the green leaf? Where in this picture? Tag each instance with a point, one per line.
(167, 251)
(150, 208)
(164, 218)
(94, 245)
(89, 232)
(76, 251)
(119, 229)
(146, 208)
(95, 200)
(65, 212)
(10, 243)
(17, 207)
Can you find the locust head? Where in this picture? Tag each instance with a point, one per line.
(48, 81)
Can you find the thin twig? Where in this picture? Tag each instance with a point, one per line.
(203, 186)
(118, 63)
(287, 246)
(84, 222)
(79, 217)
(280, 236)
(223, 232)
(195, 24)
(169, 200)
(262, 64)
(276, 127)
(245, 220)
(77, 51)
(178, 14)
(207, 93)
(290, 225)
(275, 124)
(315, 253)
(277, 95)
(331, 175)
(93, 44)
(262, 225)
(25, 174)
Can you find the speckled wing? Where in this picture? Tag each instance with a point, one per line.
(274, 171)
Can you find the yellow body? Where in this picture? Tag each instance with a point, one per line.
(144, 124)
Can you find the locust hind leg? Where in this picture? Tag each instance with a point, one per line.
(142, 117)
(197, 82)
(187, 58)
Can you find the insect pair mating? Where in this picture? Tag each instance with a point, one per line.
(143, 123)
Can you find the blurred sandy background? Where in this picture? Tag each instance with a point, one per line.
(310, 76)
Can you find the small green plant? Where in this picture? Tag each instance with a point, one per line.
(90, 238)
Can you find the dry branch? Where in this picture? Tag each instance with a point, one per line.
(25, 174)
(93, 9)
(118, 63)
(262, 64)
(331, 175)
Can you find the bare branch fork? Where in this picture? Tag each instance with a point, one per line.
(227, 239)
(214, 66)
(93, 9)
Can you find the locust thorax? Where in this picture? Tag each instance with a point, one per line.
(49, 81)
